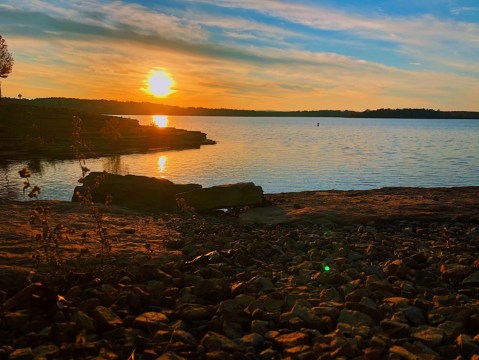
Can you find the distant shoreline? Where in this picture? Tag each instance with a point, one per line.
(137, 108)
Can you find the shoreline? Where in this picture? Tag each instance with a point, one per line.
(367, 274)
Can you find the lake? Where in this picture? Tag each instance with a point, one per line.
(287, 154)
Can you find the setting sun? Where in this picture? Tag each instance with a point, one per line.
(160, 83)
(160, 121)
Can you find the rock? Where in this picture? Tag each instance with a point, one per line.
(431, 336)
(451, 329)
(472, 280)
(136, 192)
(84, 321)
(455, 271)
(291, 340)
(46, 351)
(194, 312)
(150, 321)
(466, 345)
(170, 355)
(395, 329)
(223, 196)
(252, 339)
(22, 354)
(16, 320)
(106, 319)
(213, 341)
(355, 318)
(414, 315)
(270, 215)
(13, 278)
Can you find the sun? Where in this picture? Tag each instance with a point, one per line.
(160, 83)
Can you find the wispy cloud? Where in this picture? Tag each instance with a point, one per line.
(258, 54)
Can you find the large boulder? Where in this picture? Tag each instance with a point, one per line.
(223, 196)
(136, 192)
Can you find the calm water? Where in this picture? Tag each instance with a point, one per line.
(290, 154)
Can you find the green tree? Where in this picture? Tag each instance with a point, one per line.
(6, 61)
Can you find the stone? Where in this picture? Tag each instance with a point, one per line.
(46, 351)
(292, 339)
(414, 315)
(194, 312)
(395, 329)
(13, 278)
(84, 322)
(253, 339)
(213, 341)
(428, 335)
(22, 354)
(136, 192)
(472, 280)
(224, 196)
(150, 321)
(16, 320)
(455, 271)
(270, 215)
(170, 355)
(466, 345)
(451, 329)
(355, 318)
(106, 319)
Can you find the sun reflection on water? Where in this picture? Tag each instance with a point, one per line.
(162, 160)
(160, 121)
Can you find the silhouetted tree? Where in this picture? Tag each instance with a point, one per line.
(6, 61)
(20, 96)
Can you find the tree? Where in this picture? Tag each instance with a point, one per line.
(6, 61)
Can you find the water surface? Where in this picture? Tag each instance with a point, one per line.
(289, 154)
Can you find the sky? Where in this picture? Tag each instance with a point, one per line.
(248, 54)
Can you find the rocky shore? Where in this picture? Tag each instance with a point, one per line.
(380, 274)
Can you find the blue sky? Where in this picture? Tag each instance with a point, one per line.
(249, 54)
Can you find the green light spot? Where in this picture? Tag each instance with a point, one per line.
(326, 268)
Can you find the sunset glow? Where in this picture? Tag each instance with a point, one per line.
(162, 160)
(259, 55)
(160, 83)
(160, 121)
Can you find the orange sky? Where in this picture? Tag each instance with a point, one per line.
(246, 54)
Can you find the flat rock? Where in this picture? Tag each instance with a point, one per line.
(223, 196)
(213, 341)
(13, 278)
(291, 340)
(429, 335)
(150, 320)
(135, 192)
(472, 280)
